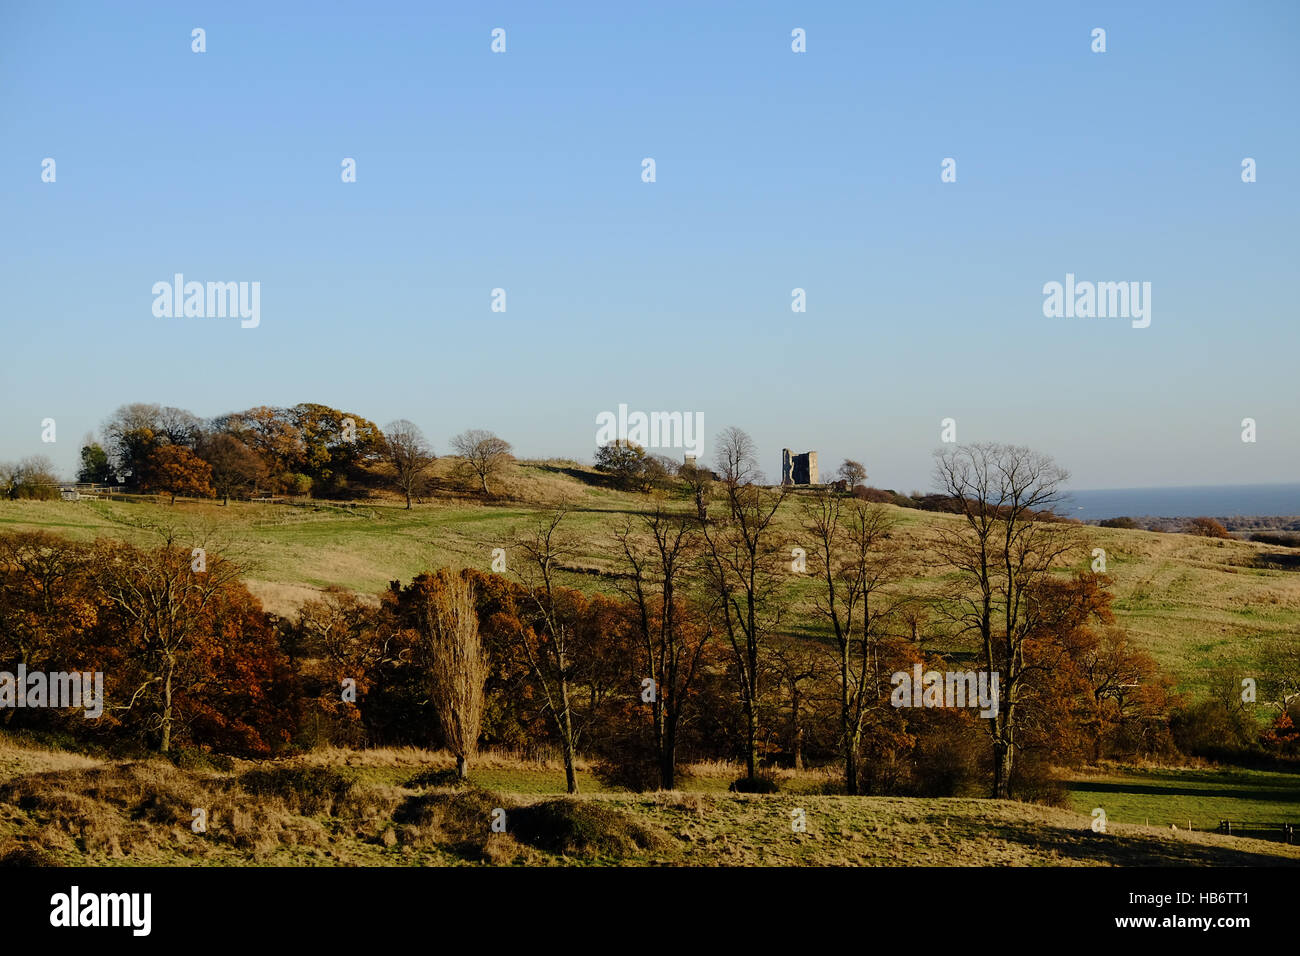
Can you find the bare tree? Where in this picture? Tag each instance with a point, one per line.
(856, 561)
(793, 664)
(1007, 542)
(700, 482)
(746, 581)
(451, 653)
(406, 449)
(1279, 661)
(33, 477)
(671, 643)
(483, 454)
(852, 473)
(342, 629)
(9, 475)
(163, 594)
(550, 658)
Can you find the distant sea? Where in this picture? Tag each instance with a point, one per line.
(1186, 502)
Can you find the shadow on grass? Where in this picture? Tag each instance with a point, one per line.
(1278, 561)
(1132, 849)
(1269, 794)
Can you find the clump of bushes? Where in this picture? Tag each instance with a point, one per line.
(1285, 539)
(19, 854)
(194, 758)
(435, 778)
(628, 761)
(1036, 782)
(310, 791)
(1124, 523)
(1207, 528)
(581, 828)
(461, 821)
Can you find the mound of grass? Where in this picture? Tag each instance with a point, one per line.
(434, 777)
(584, 828)
(310, 791)
(18, 854)
(189, 758)
(112, 811)
(459, 821)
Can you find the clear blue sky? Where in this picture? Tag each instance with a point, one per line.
(775, 170)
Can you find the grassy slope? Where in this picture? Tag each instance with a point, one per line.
(1192, 602)
(139, 813)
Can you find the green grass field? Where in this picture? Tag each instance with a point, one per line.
(1198, 798)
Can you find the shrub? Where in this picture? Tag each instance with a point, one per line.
(581, 828)
(461, 821)
(1126, 523)
(1207, 528)
(24, 854)
(1209, 729)
(194, 758)
(435, 778)
(631, 468)
(946, 759)
(759, 784)
(1035, 782)
(1285, 539)
(310, 791)
(628, 761)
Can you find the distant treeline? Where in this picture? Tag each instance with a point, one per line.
(306, 449)
(1281, 531)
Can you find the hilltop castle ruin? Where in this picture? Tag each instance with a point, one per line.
(799, 469)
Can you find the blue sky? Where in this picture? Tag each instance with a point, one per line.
(775, 170)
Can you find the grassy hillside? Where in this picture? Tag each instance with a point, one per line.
(1192, 602)
(386, 807)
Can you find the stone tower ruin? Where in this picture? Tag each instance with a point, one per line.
(799, 469)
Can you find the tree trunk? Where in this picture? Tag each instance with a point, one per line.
(408, 501)
(1003, 756)
(483, 480)
(166, 744)
(570, 775)
(668, 768)
(566, 737)
(462, 767)
(797, 729)
(751, 748)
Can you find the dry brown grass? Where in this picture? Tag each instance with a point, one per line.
(417, 758)
(17, 757)
(309, 812)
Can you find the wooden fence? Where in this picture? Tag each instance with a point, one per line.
(1281, 832)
